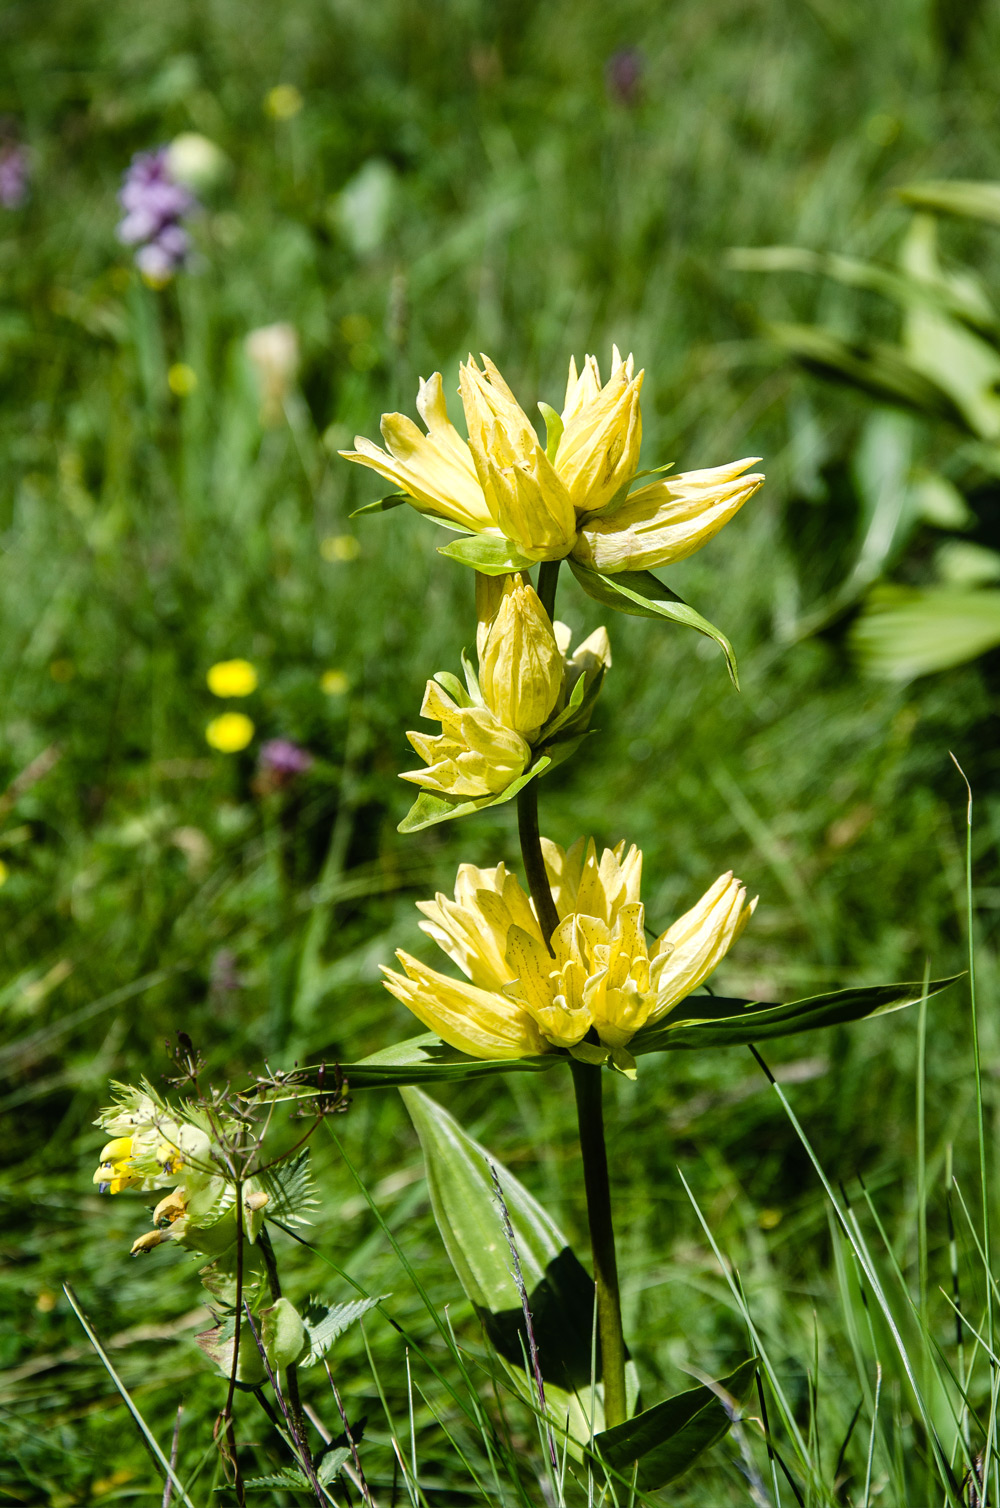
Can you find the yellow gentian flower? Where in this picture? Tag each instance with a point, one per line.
(567, 499)
(487, 732)
(600, 983)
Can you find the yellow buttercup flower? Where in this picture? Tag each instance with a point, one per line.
(232, 678)
(569, 498)
(229, 733)
(488, 729)
(600, 983)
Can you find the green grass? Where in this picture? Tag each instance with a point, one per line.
(144, 537)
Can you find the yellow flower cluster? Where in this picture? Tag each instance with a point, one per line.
(569, 499)
(591, 987)
(526, 675)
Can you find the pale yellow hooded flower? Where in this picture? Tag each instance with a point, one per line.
(525, 675)
(569, 497)
(598, 985)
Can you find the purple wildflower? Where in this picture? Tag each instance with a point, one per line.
(281, 757)
(623, 75)
(154, 203)
(13, 175)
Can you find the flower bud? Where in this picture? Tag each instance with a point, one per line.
(520, 669)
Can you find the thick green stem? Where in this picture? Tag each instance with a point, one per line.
(590, 1113)
(587, 1084)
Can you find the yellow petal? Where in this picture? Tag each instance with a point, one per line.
(599, 450)
(697, 942)
(666, 521)
(477, 1022)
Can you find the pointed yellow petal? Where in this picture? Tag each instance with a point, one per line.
(477, 1022)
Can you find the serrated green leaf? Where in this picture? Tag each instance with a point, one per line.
(332, 1464)
(560, 1291)
(290, 1190)
(643, 595)
(431, 808)
(288, 1478)
(668, 1438)
(487, 553)
(324, 1323)
(383, 504)
(709, 1021)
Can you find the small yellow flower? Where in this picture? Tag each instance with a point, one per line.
(232, 678)
(282, 102)
(340, 547)
(4, 873)
(334, 682)
(229, 733)
(570, 498)
(600, 979)
(182, 379)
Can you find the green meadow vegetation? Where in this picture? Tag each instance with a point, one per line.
(530, 181)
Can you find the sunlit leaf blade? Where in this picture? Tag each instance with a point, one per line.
(668, 1438)
(428, 1060)
(560, 1292)
(710, 1021)
(958, 196)
(881, 370)
(643, 595)
(905, 632)
(487, 553)
(431, 808)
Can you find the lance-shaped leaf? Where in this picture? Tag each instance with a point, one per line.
(418, 1060)
(665, 1440)
(487, 553)
(325, 1323)
(710, 1021)
(643, 595)
(431, 807)
(560, 1293)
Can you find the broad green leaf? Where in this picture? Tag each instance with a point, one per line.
(431, 808)
(709, 1021)
(957, 196)
(643, 595)
(878, 369)
(560, 1292)
(668, 1438)
(905, 632)
(487, 553)
(382, 505)
(325, 1323)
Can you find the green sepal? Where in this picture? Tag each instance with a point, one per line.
(553, 429)
(431, 807)
(575, 716)
(643, 595)
(661, 1443)
(560, 1292)
(454, 688)
(282, 1333)
(487, 553)
(383, 504)
(710, 1021)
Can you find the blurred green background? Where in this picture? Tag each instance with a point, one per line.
(528, 180)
